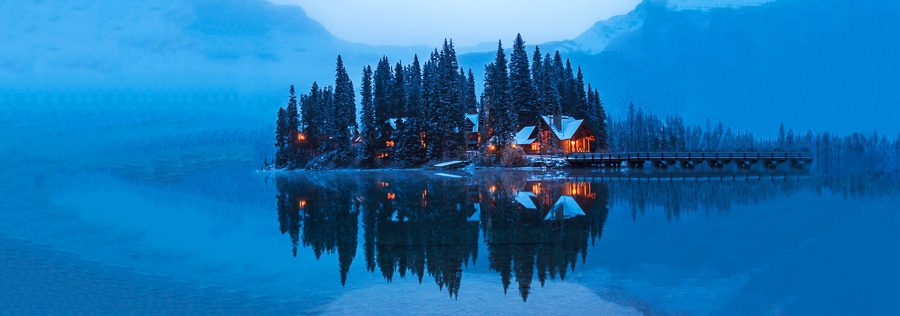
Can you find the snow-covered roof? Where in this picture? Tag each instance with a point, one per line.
(524, 198)
(569, 126)
(393, 121)
(477, 215)
(565, 207)
(522, 137)
(474, 119)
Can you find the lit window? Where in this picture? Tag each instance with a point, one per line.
(389, 143)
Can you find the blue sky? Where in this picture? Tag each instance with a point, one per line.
(468, 22)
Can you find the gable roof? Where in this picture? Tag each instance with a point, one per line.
(565, 207)
(570, 126)
(474, 119)
(523, 137)
(393, 121)
(525, 198)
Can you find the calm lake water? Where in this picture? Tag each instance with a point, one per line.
(222, 238)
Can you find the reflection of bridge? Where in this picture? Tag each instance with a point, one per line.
(688, 160)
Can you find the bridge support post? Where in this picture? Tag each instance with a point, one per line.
(636, 164)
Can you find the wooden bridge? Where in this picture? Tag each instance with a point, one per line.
(689, 160)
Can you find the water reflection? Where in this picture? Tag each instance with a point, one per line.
(533, 227)
(421, 224)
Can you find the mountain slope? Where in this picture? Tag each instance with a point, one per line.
(821, 64)
(151, 45)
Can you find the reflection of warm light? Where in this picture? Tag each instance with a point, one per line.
(391, 196)
(536, 189)
(301, 137)
(580, 189)
(492, 188)
(492, 147)
(389, 143)
(301, 204)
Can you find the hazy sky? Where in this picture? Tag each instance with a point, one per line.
(468, 22)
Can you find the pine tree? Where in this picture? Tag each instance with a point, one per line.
(328, 125)
(567, 81)
(292, 123)
(414, 88)
(344, 111)
(471, 105)
(559, 80)
(381, 81)
(521, 88)
(596, 117)
(497, 94)
(548, 90)
(369, 126)
(398, 93)
(581, 105)
(281, 138)
(312, 120)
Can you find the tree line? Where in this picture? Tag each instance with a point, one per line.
(416, 113)
(641, 131)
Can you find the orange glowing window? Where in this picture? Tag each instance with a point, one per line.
(301, 204)
(391, 196)
(535, 146)
(301, 137)
(492, 188)
(389, 143)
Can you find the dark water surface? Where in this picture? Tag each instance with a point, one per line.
(225, 239)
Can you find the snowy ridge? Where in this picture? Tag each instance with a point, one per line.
(710, 4)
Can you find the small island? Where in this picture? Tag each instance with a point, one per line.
(428, 113)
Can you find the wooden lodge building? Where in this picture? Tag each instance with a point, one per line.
(568, 135)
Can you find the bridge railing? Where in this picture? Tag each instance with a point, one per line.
(687, 156)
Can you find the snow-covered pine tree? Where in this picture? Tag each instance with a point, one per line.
(522, 93)
(569, 95)
(398, 93)
(413, 89)
(344, 111)
(367, 119)
(431, 109)
(502, 117)
(537, 73)
(450, 103)
(471, 104)
(381, 83)
(581, 105)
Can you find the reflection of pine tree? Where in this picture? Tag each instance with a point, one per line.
(419, 226)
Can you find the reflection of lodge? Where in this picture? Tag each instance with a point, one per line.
(543, 231)
(420, 226)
